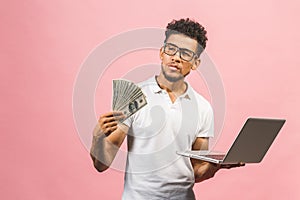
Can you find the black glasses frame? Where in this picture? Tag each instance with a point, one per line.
(180, 52)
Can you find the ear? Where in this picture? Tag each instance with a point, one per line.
(161, 52)
(195, 64)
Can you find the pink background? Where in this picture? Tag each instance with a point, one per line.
(254, 44)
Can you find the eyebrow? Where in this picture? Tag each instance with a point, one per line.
(179, 47)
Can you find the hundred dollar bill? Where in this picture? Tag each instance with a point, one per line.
(127, 97)
(133, 106)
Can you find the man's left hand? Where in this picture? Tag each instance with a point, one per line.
(206, 170)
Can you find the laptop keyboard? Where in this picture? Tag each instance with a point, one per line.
(217, 157)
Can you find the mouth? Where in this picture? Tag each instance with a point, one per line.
(173, 67)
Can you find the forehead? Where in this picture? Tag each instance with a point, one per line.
(183, 41)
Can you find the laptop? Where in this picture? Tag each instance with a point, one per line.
(250, 146)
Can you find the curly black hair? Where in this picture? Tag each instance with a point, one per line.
(189, 28)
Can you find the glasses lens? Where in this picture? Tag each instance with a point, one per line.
(187, 55)
(171, 49)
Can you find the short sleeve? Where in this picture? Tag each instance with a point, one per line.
(206, 126)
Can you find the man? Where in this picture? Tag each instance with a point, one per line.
(175, 118)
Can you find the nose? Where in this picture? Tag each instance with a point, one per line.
(176, 57)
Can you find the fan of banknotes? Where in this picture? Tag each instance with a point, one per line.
(127, 97)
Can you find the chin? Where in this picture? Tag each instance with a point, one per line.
(173, 78)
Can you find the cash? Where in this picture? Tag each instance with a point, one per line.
(127, 97)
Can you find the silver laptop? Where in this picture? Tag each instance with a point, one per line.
(250, 146)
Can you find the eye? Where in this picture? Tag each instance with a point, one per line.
(186, 54)
(171, 48)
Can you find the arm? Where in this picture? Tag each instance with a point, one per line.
(107, 139)
(203, 170)
(206, 170)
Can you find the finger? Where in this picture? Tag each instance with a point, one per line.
(110, 125)
(109, 117)
(226, 166)
(119, 117)
(110, 130)
(112, 113)
(229, 166)
(114, 118)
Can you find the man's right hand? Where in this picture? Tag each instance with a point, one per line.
(107, 138)
(108, 122)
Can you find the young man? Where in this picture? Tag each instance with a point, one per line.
(175, 118)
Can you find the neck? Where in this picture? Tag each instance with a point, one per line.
(177, 87)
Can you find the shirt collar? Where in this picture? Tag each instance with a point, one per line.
(156, 89)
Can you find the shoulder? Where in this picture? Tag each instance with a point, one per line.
(147, 83)
(202, 103)
(149, 86)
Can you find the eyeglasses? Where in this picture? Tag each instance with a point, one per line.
(185, 54)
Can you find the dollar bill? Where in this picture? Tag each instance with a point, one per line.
(133, 106)
(127, 97)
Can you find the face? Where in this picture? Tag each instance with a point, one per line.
(173, 67)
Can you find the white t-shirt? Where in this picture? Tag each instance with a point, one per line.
(156, 132)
